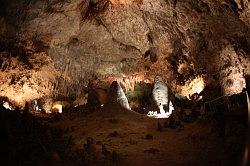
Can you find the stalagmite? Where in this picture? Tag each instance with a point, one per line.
(118, 93)
(35, 106)
(160, 95)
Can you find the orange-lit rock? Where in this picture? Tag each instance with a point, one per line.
(58, 47)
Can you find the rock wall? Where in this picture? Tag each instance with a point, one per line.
(60, 46)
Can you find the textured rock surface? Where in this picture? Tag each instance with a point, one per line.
(56, 47)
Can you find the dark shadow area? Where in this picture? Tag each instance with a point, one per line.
(25, 140)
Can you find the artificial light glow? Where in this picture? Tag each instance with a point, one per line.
(31, 85)
(194, 86)
(163, 113)
(57, 108)
(20, 95)
(7, 106)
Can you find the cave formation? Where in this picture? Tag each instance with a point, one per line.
(78, 82)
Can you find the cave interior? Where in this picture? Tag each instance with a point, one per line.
(125, 82)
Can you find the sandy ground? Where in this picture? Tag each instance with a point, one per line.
(121, 137)
(115, 136)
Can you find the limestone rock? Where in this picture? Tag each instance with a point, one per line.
(116, 94)
(75, 42)
(160, 94)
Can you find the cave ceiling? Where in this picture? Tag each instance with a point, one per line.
(58, 47)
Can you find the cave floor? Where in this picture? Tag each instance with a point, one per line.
(113, 136)
(139, 140)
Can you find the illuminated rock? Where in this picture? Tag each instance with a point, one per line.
(7, 105)
(57, 108)
(171, 108)
(160, 94)
(62, 51)
(117, 94)
(45, 104)
(35, 106)
(191, 87)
